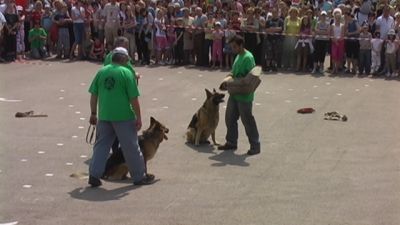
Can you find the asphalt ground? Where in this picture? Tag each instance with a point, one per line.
(310, 171)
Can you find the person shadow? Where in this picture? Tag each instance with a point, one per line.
(224, 158)
(100, 194)
(229, 158)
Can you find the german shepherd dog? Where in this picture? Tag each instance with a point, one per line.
(149, 141)
(205, 121)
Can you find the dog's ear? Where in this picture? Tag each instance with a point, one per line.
(152, 120)
(214, 90)
(209, 94)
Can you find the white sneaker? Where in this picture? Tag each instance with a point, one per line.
(394, 74)
(314, 71)
(388, 74)
(321, 69)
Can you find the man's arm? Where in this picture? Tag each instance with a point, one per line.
(136, 106)
(93, 109)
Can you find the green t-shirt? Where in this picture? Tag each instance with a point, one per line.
(242, 65)
(115, 87)
(36, 33)
(108, 61)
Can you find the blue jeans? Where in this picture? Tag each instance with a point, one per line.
(242, 110)
(38, 53)
(127, 136)
(79, 32)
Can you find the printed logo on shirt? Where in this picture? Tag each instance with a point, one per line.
(109, 83)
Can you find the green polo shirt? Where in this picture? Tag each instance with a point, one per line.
(115, 87)
(108, 61)
(242, 65)
(37, 33)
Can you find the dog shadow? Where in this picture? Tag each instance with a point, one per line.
(203, 148)
(100, 194)
(229, 158)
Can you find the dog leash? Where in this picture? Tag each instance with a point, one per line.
(89, 138)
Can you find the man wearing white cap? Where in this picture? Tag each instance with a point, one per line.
(115, 93)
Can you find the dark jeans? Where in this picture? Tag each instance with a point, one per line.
(198, 45)
(145, 49)
(321, 46)
(242, 110)
(206, 53)
(364, 64)
(138, 46)
(179, 54)
(271, 52)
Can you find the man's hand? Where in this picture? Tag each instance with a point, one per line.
(138, 124)
(93, 120)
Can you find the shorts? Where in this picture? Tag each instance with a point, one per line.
(161, 43)
(227, 49)
(352, 48)
(79, 32)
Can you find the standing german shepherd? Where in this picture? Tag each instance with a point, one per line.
(149, 141)
(205, 121)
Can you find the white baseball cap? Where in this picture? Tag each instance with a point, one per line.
(121, 50)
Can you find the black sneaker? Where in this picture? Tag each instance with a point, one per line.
(227, 147)
(94, 182)
(148, 180)
(253, 152)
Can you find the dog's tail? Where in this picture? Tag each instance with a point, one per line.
(80, 175)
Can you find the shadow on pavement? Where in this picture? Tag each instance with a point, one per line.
(100, 194)
(229, 158)
(203, 148)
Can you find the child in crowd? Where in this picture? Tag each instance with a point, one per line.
(365, 50)
(179, 43)
(390, 54)
(97, 51)
(217, 36)
(21, 35)
(37, 38)
(376, 49)
(161, 37)
(171, 37)
(229, 33)
(337, 46)
(87, 46)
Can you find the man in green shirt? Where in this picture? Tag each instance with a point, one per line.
(120, 42)
(114, 93)
(37, 37)
(241, 106)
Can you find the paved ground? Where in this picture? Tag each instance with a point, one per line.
(310, 171)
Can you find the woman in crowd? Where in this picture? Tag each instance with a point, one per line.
(291, 31)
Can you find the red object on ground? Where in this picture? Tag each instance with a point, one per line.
(305, 110)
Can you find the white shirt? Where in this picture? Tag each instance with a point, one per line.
(3, 8)
(390, 47)
(159, 27)
(385, 24)
(376, 44)
(111, 13)
(78, 13)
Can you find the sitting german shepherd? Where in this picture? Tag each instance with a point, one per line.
(205, 121)
(149, 141)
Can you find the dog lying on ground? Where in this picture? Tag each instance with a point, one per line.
(205, 121)
(149, 141)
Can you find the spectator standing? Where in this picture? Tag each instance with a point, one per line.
(78, 20)
(291, 30)
(365, 50)
(321, 42)
(112, 20)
